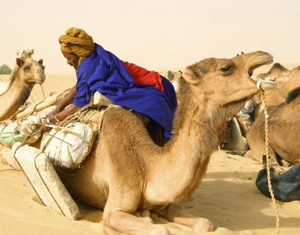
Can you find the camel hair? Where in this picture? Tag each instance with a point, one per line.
(25, 75)
(286, 80)
(127, 172)
(236, 136)
(283, 103)
(283, 132)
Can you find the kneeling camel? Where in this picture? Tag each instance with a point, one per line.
(127, 172)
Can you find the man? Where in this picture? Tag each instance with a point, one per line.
(125, 84)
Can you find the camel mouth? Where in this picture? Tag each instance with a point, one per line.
(253, 67)
(238, 102)
(37, 81)
(262, 59)
(40, 81)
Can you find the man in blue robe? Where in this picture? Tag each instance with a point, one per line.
(125, 84)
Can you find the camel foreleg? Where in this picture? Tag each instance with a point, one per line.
(130, 224)
(118, 215)
(176, 214)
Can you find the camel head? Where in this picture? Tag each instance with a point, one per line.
(277, 72)
(30, 70)
(226, 82)
(24, 53)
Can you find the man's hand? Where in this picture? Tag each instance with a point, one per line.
(45, 122)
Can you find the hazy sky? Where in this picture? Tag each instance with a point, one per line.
(155, 34)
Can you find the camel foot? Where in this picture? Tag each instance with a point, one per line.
(203, 225)
(144, 215)
(160, 230)
(175, 213)
(130, 224)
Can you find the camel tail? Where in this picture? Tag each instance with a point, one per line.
(293, 94)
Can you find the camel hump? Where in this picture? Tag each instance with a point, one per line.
(293, 94)
(278, 66)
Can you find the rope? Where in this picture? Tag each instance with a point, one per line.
(9, 170)
(61, 125)
(263, 98)
(43, 91)
(36, 106)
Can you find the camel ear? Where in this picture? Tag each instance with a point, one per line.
(30, 52)
(20, 62)
(190, 76)
(40, 61)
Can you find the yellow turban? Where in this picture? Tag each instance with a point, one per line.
(77, 41)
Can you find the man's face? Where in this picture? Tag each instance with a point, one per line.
(72, 59)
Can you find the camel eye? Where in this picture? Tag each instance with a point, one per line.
(226, 68)
(26, 69)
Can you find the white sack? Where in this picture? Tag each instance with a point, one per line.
(68, 149)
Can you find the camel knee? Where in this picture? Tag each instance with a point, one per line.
(114, 220)
(110, 219)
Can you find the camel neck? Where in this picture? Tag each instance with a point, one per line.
(198, 124)
(16, 95)
(196, 136)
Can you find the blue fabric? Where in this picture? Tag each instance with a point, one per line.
(102, 71)
(250, 110)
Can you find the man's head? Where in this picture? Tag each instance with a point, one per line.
(75, 45)
(72, 59)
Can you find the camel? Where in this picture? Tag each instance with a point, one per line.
(127, 172)
(235, 138)
(282, 126)
(25, 75)
(283, 132)
(286, 80)
(281, 76)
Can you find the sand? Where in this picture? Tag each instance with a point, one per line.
(227, 196)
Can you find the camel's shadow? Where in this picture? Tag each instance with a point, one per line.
(214, 200)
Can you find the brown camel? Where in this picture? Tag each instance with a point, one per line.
(235, 137)
(127, 172)
(283, 132)
(282, 126)
(25, 75)
(286, 80)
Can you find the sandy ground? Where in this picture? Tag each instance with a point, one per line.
(228, 197)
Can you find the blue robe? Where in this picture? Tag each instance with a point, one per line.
(102, 71)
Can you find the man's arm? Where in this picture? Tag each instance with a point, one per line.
(63, 114)
(68, 99)
(60, 112)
